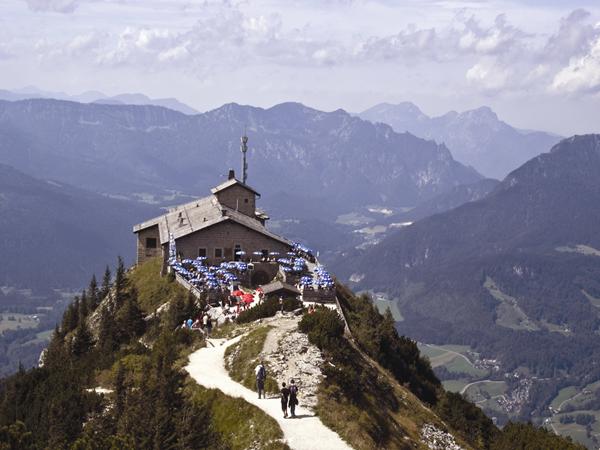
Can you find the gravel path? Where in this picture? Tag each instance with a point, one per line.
(307, 432)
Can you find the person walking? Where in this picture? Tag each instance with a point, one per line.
(261, 374)
(293, 398)
(209, 326)
(285, 395)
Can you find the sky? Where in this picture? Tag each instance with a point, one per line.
(535, 62)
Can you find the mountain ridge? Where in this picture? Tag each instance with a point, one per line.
(476, 137)
(149, 149)
(513, 275)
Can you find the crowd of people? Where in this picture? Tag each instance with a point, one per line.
(203, 323)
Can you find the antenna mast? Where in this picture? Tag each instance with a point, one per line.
(244, 149)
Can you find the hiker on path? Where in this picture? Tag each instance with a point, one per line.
(285, 395)
(261, 374)
(293, 398)
(209, 326)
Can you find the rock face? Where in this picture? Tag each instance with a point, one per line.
(436, 439)
(476, 137)
(289, 356)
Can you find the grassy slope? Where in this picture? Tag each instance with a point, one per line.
(240, 424)
(390, 416)
(235, 420)
(242, 358)
(154, 290)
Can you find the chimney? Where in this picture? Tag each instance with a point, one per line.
(231, 175)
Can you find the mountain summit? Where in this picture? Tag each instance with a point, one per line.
(476, 137)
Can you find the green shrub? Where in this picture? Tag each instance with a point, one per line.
(324, 328)
(268, 308)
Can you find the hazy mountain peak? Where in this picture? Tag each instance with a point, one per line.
(475, 137)
(483, 113)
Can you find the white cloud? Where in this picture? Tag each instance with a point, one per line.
(501, 37)
(489, 76)
(574, 37)
(582, 74)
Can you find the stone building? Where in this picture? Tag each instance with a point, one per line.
(217, 227)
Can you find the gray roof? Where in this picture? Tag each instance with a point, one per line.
(232, 182)
(279, 286)
(198, 215)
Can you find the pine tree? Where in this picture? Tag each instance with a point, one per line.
(83, 306)
(16, 437)
(93, 294)
(106, 284)
(82, 340)
(120, 283)
(167, 382)
(130, 319)
(177, 312)
(108, 334)
(71, 317)
(120, 392)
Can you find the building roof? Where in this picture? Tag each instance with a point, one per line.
(201, 214)
(232, 182)
(277, 286)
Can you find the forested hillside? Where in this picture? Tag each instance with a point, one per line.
(513, 276)
(112, 379)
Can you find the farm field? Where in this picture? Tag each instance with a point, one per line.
(485, 390)
(454, 385)
(14, 321)
(455, 358)
(578, 432)
(563, 395)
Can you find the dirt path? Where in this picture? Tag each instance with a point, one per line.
(206, 366)
(478, 382)
(289, 355)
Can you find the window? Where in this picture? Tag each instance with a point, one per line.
(150, 242)
(245, 200)
(202, 252)
(218, 252)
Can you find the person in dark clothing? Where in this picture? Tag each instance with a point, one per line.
(293, 398)
(261, 374)
(285, 394)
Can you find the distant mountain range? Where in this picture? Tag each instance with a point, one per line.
(477, 137)
(515, 275)
(333, 161)
(32, 92)
(54, 236)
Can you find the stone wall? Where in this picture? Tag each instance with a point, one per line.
(238, 198)
(143, 252)
(225, 236)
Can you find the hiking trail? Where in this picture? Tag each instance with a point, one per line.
(207, 367)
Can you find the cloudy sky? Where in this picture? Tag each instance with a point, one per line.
(535, 62)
